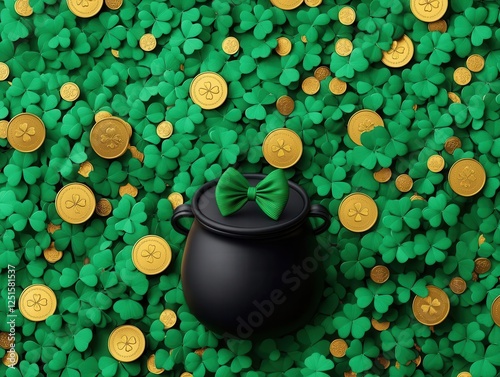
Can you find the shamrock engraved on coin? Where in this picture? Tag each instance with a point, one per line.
(358, 212)
(150, 254)
(75, 202)
(25, 132)
(69, 91)
(127, 343)
(83, 3)
(209, 90)
(429, 4)
(37, 302)
(396, 50)
(281, 148)
(467, 177)
(111, 138)
(430, 305)
(366, 125)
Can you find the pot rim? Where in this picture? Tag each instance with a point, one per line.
(251, 232)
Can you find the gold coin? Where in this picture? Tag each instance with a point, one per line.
(439, 25)
(481, 240)
(362, 121)
(37, 302)
(109, 137)
(4, 125)
(284, 46)
(165, 129)
(358, 212)
(347, 16)
(467, 177)
(23, 8)
(285, 105)
(416, 197)
(380, 274)
(451, 144)
(51, 228)
(482, 265)
(114, 4)
(380, 326)
(418, 360)
(350, 373)
(151, 255)
(208, 90)
(311, 85)
(303, 39)
(338, 348)
(230, 45)
(495, 311)
(147, 42)
(26, 132)
(435, 163)
(200, 351)
(404, 183)
(343, 47)
(69, 91)
(384, 362)
(287, 4)
(101, 115)
(128, 189)
(10, 359)
(428, 11)
(115, 53)
(186, 374)
(313, 3)
(475, 276)
(433, 309)
(136, 153)
(103, 207)
(85, 168)
(337, 86)
(75, 203)
(458, 285)
(400, 53)
(4, 71)
(51, 254)
(168, 318)
(464, 374)
(85, 9)
(475, 63)
(126, 343)
(383, 175)
(175, 199)
(322, 72)
(282, 148)
(5, 342)
(462, 76)
(454, 97)
(152, 366)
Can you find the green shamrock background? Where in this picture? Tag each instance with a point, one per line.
(422, 242)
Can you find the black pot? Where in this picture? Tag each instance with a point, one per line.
(246, 275)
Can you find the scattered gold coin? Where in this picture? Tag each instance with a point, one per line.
(69, 91)
(462, 76)
(451, 144)
(85, 168)
(10, 359)
(495, 311)
(102, 115)
(284, 46)
(85, 9)
(147, 42)
(4, 71)
(285, 105)
(435, 163)
(51, 228)
(175, 199)
(287, 4)
(136, 153)
(433, 309)
(282, 148)
(482, 265)
(115, 53)
(37, 302)
(458, 285)
(230, 45)
(168, 318)
(337, 86)
(152, 366)
(151, 255)
(380, 326)
(165, 129)
(475, 63)
(208, 90)
(481, 240)
(23, 8)
(110, 137)
(303, 39)
(464, 374)
(126, 343)
(439, 25)
(313, 3)
(400, 53)
(26, 132)
(416, 197)
(343, 47)
(128, 189)
(383, 175)
(350, 373)
(338, 348)
(467, 177)
(358, 212)
(380, 274)
(362, 121)
(4, 125)
(186, 374)
(114, 4)
(418, 360)
(404, 183)
(347, 16)
(103, 207)
(4, 340)
(311, 85)
(322, 72)
(75, 203)
(428, 11)
(51, 254)
(200, 351)
(384, 362)
(454, 97)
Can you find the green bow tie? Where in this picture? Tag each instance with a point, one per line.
(270, 194)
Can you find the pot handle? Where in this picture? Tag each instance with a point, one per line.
(317, 210)
(184, 210)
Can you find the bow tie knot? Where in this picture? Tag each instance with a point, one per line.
(251, 193)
